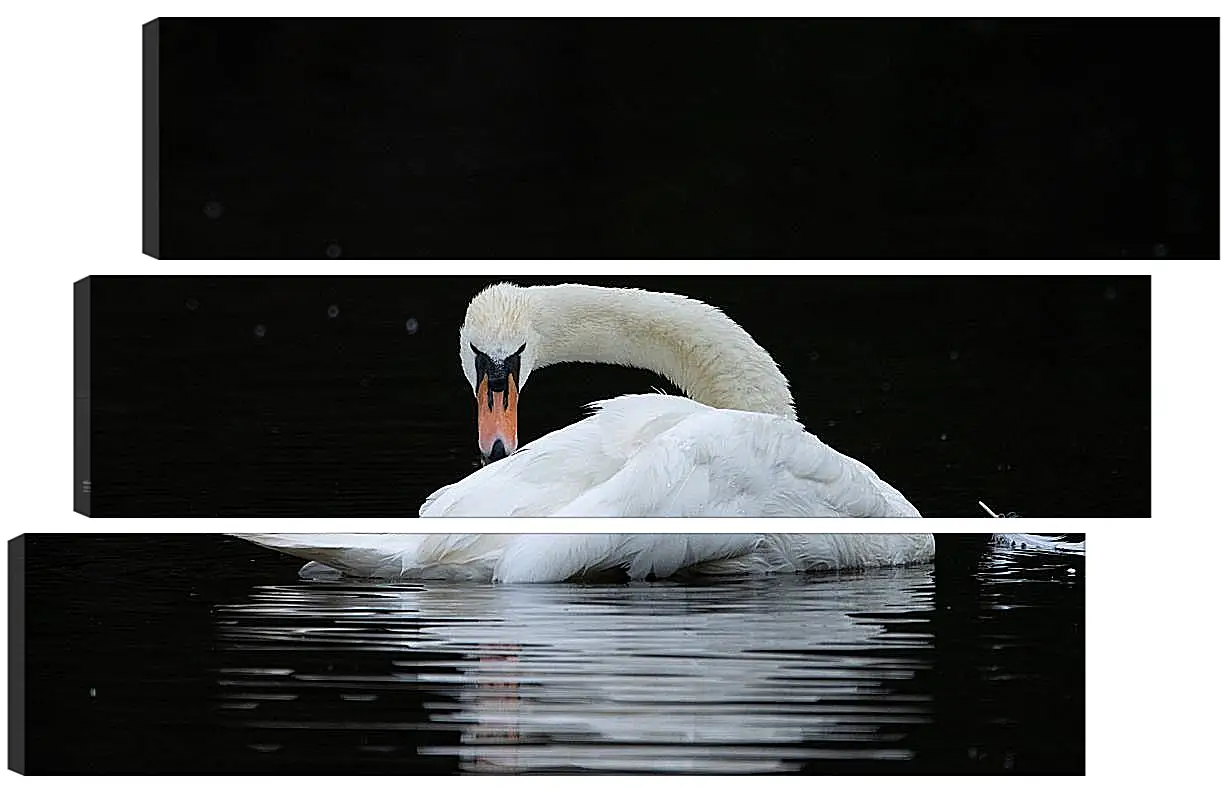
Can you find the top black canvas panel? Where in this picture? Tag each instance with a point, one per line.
(414, 138)
(356, 397)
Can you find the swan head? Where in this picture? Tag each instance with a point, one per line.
(498, 349)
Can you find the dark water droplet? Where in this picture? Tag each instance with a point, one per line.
(333, 311)
(954, 355)
(334, 250)
(192, 304)
(1110, 293)
(213, 209)
(260, 331)
(1160, 250)
(411, 326)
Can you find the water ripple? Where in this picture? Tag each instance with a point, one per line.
(754, 676)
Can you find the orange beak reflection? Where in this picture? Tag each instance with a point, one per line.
(497, 419)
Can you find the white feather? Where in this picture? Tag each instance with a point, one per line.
(1038, 543)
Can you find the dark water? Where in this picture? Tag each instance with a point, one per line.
(343, 397)
(197, 654)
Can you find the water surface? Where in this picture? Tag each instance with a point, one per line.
(973, 664)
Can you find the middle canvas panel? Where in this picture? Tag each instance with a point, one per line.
(713, 396)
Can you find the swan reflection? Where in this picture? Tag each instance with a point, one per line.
(749, 676)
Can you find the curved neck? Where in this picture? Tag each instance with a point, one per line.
(695, 346)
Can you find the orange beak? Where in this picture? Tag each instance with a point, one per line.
(497, 419)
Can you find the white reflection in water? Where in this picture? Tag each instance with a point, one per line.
(731, 677)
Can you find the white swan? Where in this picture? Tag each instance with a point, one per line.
(734, 449)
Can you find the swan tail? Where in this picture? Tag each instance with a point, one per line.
(365, 555)
(388, 555)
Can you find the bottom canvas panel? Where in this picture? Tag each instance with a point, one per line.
(354, 654)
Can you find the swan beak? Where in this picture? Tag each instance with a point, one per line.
(497, 419)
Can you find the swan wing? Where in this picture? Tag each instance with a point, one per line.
(548, 474)
(662, 455)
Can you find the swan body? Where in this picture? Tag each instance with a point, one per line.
(732, 447)
(667, 456)
(552, 558)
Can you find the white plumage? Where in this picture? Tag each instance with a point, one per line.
(666, 456)
(550, 558)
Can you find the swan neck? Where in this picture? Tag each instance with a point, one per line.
(694, 345)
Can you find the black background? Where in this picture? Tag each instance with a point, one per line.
(1030, 393)
(132, 617)
(688, 138)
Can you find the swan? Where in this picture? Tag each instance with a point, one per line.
(732, 447)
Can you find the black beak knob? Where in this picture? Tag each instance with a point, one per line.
(498, 451)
